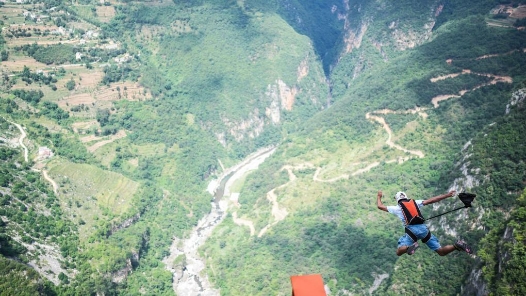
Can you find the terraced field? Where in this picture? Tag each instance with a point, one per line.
(91, 192)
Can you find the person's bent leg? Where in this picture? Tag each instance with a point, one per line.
(443, 251)
(403, 244)
(434, 245)
(409, 250)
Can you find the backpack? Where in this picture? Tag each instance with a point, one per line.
(411, 212)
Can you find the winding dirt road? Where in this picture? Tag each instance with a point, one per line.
(21, 139)
(376, 115)
(495, 79)
(53, 183)
(389, 142)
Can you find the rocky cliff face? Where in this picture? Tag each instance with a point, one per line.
(475, 284)
(367, 30)
(517, 99)
(279, 96)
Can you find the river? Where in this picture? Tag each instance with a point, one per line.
(191, 279)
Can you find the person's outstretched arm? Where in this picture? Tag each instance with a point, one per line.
(439, 197)
(379, 203)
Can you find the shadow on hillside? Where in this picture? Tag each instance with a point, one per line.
(342, 252)
(315, 20)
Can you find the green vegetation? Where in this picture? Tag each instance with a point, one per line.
(114, 73)
(52, 54)
(28, 77)
(502, 249)
(504, 246)
(18, 279)
(32, 96)
(128, 175)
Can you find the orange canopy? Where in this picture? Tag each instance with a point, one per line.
(307, 285)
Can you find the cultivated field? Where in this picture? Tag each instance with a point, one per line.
(87, 191)
(105, 13)
(26, 24)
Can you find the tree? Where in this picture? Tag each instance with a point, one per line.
(70, 85)
(63, 278)
(103, 116)
(4, 55)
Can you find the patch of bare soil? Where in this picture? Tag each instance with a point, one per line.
(332, 180)
(497, 24)
(75, 100)
(134, 162)
(17, 63)
(53, 183)
(244, 222)
(441, 98)
(519, 12)
(105, 13)
(90, 80)
(277, 212)
(389, 142)
(90, 138)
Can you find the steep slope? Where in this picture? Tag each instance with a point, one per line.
(342, 157)
(236, 72)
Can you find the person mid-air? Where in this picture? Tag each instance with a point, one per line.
(408, 210)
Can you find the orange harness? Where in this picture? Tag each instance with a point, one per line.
(411, 212)
(413, 216)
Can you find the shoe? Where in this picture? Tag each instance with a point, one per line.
(461, 245)
(412, 248)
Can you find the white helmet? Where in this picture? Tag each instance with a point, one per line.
(400, 195)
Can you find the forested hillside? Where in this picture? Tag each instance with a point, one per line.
(219, 147)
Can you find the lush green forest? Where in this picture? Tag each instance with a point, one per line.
(117, 117)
